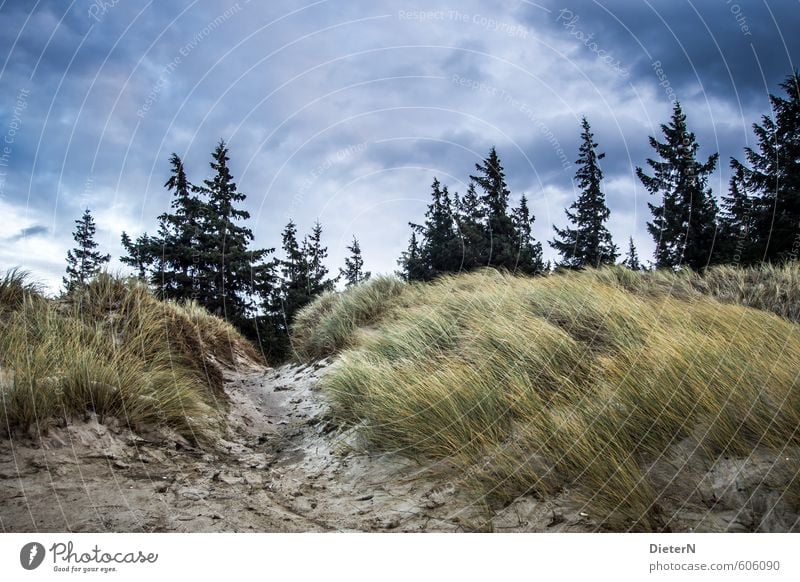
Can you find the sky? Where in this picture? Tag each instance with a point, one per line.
(344, 111)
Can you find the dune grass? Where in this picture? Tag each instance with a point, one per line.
(115, 350)
(774, 288)
(579, 380)
(330, 323)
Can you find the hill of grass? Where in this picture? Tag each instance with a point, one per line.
(113, 349)
(582, 381)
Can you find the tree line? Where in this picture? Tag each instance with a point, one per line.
(202, 249)
(759, 219)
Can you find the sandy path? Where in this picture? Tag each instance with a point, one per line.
(282, 467)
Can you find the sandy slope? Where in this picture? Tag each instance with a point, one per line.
(281, 467)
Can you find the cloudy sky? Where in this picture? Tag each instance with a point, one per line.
(344, 111)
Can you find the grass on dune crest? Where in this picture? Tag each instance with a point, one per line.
(576, 380)
(329, 323)
(774, 288)
(113, 349)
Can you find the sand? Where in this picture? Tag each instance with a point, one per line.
(281, 466)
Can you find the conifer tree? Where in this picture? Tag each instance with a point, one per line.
(315, 254)
(529, 252)
(289, 293)
(499, 231)
(179, 233)
(772, 177)
(685, 222)
(739, 240)
(469, 219)
(353, 272)
(301, 276)
(439, 252)
(140, 255)
(83, 261)
(632, 258)
(202, 250)
(411, 266)
(587, 242)
(225, 283)
(293, 289)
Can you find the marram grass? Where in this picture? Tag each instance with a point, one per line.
(579, 380)
(114, 350)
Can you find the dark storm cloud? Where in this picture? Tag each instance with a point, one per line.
(31, 231)
(726, 48)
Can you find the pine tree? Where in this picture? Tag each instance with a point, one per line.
(225, 282)
(411, 265)
(632, 258)
(83, 262)
(287, 295)
(739, 240)
(179, 233)
(315, 254)
(469, 219)
(439, 251)
(773, 177)
(140, 255)
(353, 272)
(529, 252)
(301, 276)
(463, 234)
(684, 224)
(293, 290)
(587, 243)
(499, 226)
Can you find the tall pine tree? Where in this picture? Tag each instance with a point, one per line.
(288, 295)
(83, 261)
(302, 276)
(225, 283)
(587, 243)
(500, 234)
(739, 238)
(685, 223)
(463, 234)
(772, 179)
(140, 254)
(315, 254)
(179, 233)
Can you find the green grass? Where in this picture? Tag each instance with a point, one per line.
(115, 350)
(578, 381)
